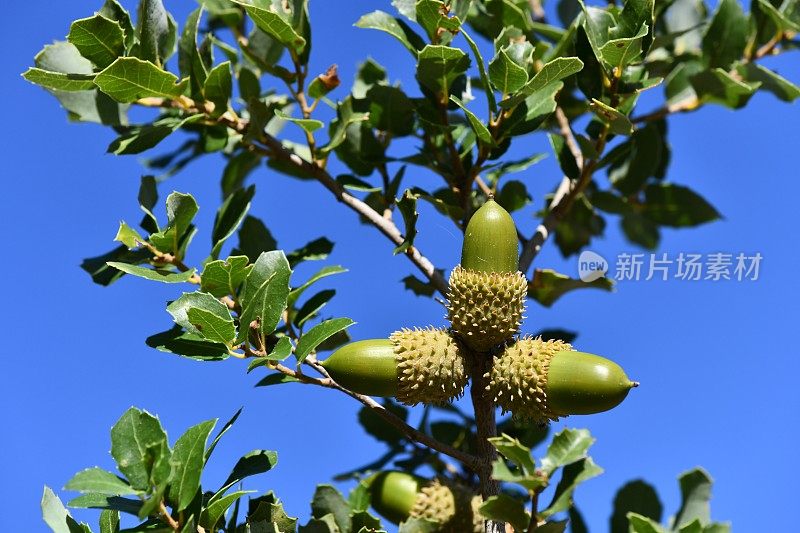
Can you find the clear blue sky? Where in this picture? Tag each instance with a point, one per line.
(717, 361)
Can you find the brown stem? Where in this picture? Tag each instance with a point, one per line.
(486, 428)
(272, 147)
(168, 518)
(533, 525)
(466, 459)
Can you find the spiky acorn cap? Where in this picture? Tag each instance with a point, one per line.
(451, 506)
(432, 366)
(485, 308)
(518, 380)
(542, 380)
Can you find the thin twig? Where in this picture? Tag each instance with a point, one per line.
(168, 518)
(272, 147)
(468, 460)
(533, 525)
(532, 247)
(537, 10)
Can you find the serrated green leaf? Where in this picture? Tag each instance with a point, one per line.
(110, 503)
(312, 307)
(506, 509)
(572, 476)
(322, 273)
(726, 36)
(156, 31)
(642, 524)
(88, 106)
(251, 464)
(59, 81)
(548, 286)
(128, 236)
(137, 139)
(218, 87)
(677, 206)
(493, 174)
(568, 446)
(109, 521)
(513, 196)
(480, 129)
(329, 501)
(204, 315)
(619, 53)
(695, 497)
(265, 292)
(98, 39)
(221, 433)
(189, 345)
(390, 110)
(181, 210)
(484, 75)
(190, 62)
(719, 87)
(164, 276)
(770, 81)
(113, 10)
(275, 26)
(53, 512)
(229, 217)
(439, 66)
(555, 70)
(99, 481)
(188, 458)
(215, 511)
(319, 333)
(514, 451)
(382, 21)
(341, 126)
(221, 278)
(617, 122)
(308, 124)
(637, 497)
(276, 379)
(506, 75)
(128, 78)
(139, 446)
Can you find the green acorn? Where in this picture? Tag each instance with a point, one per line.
(490, 240)
(398, 496)
(543, 380)
(487, 293)
(416, 366)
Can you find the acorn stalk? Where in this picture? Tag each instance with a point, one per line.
(487, 293)
(415, 366)
(544, 380)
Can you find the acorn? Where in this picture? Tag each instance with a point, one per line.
(415, 366)
(398, 496)
(487, 292)
(543, 380)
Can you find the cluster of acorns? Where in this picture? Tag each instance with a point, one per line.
(532, 378)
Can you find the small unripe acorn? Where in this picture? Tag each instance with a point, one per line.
(543, 380)
(487, 293)
(398, 496)
(415, 366)
(490, 241)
